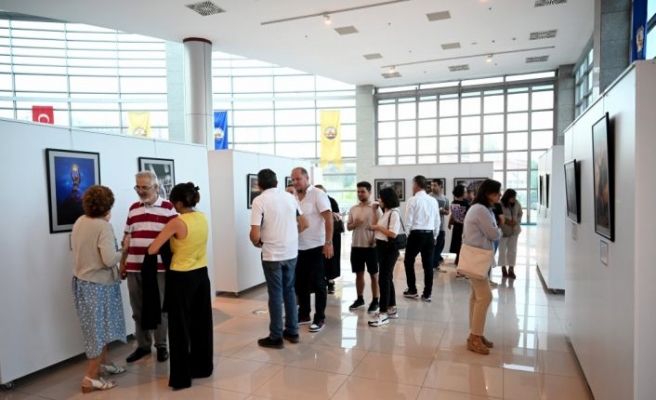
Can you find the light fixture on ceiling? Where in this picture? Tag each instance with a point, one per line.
(326, 20)
(391, 69)
(488, 59)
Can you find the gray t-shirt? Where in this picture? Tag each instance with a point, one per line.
(363, 237)
(443, 204)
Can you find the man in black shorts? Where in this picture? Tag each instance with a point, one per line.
(363, 250)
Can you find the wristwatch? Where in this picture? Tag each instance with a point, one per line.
(330, 242)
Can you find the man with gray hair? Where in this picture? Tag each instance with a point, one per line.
(146, 218)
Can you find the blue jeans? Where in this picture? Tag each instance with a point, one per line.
(279, 277)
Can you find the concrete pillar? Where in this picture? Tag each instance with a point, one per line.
(198, 91)
(564, 102)
(612, 39)
(175, 91)
(365, 131)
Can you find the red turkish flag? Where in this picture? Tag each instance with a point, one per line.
(43, 114)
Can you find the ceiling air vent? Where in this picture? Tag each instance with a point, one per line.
(544, 3)
(388, 75)
(461, 67)
(451, 46)
(437, 16)
(205, 8)
(373, 56)
(530, 60)
(539, 35)
(346, 30)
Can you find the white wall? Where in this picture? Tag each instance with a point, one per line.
(39, 324)
(447, 171)
(610, 318)
(550, 243)
(239, 266)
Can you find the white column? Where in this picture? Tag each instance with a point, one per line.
(198, 91)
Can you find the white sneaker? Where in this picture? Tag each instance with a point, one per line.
(381, 319)
(493, 285)
(392, 313)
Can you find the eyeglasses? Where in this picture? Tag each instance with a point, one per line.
(144, 188)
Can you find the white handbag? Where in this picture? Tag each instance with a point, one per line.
(474, 262)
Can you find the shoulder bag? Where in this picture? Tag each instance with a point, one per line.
(401, 239)
(474, 262)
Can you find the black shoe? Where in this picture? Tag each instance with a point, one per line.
(373, 308)
(138, 354)
(270, 343)
(290, 338)
(359, 303)
(412, 294)
(330, 287)
(162, 354)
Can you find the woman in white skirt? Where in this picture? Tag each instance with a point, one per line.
(512, 211)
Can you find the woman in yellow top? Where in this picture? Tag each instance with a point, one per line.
(188, 298)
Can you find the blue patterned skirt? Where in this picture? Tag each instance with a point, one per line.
(100, 311)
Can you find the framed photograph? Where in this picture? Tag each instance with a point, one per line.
(469, 183)
(442, 181)
(288, 181)
(397, 184)
(165, 171)
(252, 190)
(604, 189)
(70, 174)
(573, 190)
(547, 183)
(541, 194)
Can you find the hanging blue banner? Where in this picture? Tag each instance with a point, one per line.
(220, 130)
(639, 30)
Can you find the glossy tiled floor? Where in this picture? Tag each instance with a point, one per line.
(419, 356)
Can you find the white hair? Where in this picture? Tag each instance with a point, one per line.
(148, 174)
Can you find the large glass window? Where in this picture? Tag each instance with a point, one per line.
(584, 82)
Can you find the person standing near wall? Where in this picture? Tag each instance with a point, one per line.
(443, 209)
(457, 219)
(276, 220)
(314, 244)
(512, 211)
(146, 219)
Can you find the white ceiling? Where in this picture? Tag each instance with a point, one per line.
(401, 32)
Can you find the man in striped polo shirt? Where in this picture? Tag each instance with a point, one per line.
(146, 219)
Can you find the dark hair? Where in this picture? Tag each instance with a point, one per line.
(388, 197)
(487, 187)
(421, 181)
(364, 184)
(97, 201)
(266, 179)
(458, 191)
(438, 182)
(507, 195)
(186, 193)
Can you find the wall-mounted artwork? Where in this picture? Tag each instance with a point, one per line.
(573, 190)
(547, 184)
(70, 174)
(164, 169)
(541, 194)
(252, 190)
(602, 168)
(288, 181)
(469, 183)
(397, 184)
(442, 181)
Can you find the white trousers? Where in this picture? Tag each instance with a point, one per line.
(508, 251)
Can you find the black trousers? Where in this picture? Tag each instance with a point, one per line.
(420, 242)
(439, 246)
(456, 241)
(387, 257)
(311, 276)
(189, 304)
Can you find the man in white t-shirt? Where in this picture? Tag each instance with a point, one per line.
(314, 244)
(276, 220)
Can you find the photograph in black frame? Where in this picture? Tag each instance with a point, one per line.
(397, 184)
(541, 193)
(603, 185)
(252, 190)
(288, 181)
(164, 168)
(70, 174)
(547, 183)
(573, 190)
(468, 183)
(442, 181)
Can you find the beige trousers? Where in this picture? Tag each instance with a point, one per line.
(479, 302)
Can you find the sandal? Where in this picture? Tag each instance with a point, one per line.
(112, 369)
(89, 385)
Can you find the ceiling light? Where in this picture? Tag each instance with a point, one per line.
(488, 59)
(327, 20)
(391, 70)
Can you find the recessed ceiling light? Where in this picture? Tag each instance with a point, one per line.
(451, 46)
(327, 20)
(205, 8)
(346, 30)
(387, 75)
(543, 3)
(530, 60)
(488, 59)
(373, 56)
(461, 67)
(437, 16)
(539, 35)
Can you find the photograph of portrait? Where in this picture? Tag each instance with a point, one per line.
(442, 181)
(252, 190)
(602, 159)
(70, 174)
(397, 184)
(468, 183)
(165, 171)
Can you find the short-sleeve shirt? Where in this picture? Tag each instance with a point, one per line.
(313, 204)
(442, 203)
(363, 237)
(275, 212)
(143, 225)
(390, 220)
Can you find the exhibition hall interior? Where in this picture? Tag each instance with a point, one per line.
(552, 99)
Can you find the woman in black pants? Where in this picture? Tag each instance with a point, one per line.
(389, 225)
(458, 210)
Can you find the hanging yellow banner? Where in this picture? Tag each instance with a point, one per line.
(331, 139)
(139, 123)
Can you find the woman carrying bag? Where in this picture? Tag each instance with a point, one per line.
(479, 233)
(512, 211)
